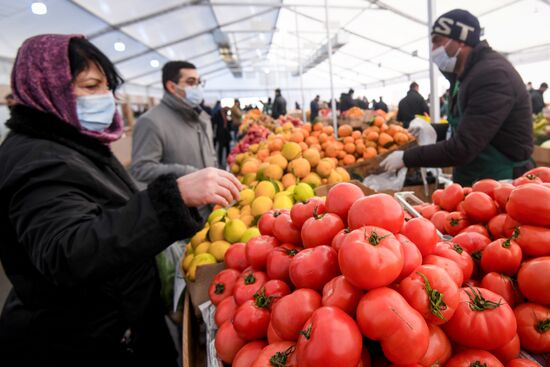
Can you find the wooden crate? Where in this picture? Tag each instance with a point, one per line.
(193, 355)
(198, 290)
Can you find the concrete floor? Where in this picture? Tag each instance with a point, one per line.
(5, 287)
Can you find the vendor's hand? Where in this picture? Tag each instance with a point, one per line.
(209, 186)
(393, 162)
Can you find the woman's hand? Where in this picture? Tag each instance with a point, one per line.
(209, 186)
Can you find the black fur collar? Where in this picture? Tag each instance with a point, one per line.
(29, 121)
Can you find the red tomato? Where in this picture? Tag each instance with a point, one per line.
(432, 292)
(510, 225)
(486, 186)
(438, 219)
(509, 351)
(429, 210)
(285, 231)
(541, 172)
(534, 241)
(278, 261)
(412, 258)
(257, 250)
(225, 310)
(467, 191)
(436, 196)
(265, 224)
(313, 267)
(482, 320)
(272, 336)
(501, 256)
(534, 280)
(460, 208)
(338, 292)
(533, 327)
(321, 229)
(502, 193)
(455, 252)
(341, 197)
(252, 318)
(522, 362)
(384, 315)
(472, 242)
(277, 354)
(422, 233)
(380, 210)
(371, 257)
(451, 196)
(455, 222)
(496, 226)
(247, 285)
(523, 180)
(480, 207)
(529, 205)
(292, 311)
(227, 342)
(329, 338)
(502, 285)
(301, 212)
(338, 240)
(439, 348)
(235, 257)
(473, 358)
(222, 285)
(275, 289)
(477, 228)
(448, 265)
(248, 354)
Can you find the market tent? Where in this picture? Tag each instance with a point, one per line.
(249, 47)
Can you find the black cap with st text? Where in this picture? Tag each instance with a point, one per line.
(460, 25)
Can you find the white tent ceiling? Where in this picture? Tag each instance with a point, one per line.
(386, 41)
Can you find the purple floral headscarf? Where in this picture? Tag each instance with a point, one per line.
(41, 79)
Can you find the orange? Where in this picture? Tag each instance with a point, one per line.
(349, 159)
(307, 127)
(356, 134)
(275, 144)
(378, 121)
(369, 153)
(329, 130)
(323, 137)
(373, 136)
(401, 138)
(344, 130)
(297, 136)
(348, 139)
(385, 140)
(349, 148)
(318, 126)
(341, 154)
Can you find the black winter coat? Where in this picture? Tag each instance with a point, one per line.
(413, 104)
(495, 110)
(78, 243)
(279, 107)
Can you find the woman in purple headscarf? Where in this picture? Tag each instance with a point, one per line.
(77, 240)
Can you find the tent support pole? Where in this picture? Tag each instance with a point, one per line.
(434, 94)
(299, 47)
(329, 46)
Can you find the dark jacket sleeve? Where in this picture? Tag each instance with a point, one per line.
(72, 239)
(489, 100)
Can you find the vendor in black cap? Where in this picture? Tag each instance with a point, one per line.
(489, 108)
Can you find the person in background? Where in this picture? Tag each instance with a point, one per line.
(537, 98)
(279, 105)
(529, 86)
(206, 108)
(373, 104)
(222, 130)
(411, 105)
(78, 238)
(236, 115)
(381, 105)
(346, 101)
(314, 108)
(267, 106)
(5, 114)
(362, 103)
(10, 101)
(297, 106)
(176, 135)
(489, 108)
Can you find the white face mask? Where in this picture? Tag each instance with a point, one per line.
(193, 95)
(95, 112)
(443, 61)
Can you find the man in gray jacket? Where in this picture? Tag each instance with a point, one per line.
(175, 136)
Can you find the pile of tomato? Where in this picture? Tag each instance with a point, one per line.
(353, 280)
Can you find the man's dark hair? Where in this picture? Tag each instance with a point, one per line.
(82, 52)
(171, 71)
(351, 91)
(237, 101)
(277, 91)
(413, 85)
(9, 96)
(543, 85)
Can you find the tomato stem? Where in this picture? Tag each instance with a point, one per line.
(291, 252)
(307, 332)
(478, 364)
(279, 359)
(436, 298)
(515, 234)
(506, 244)
(316, 215)
(374, 239)
(543, 325)
(458, 248)
(455, 221)
(249, 279)
(476, 255)
(261, 300)
(478, 303)
(220, 287)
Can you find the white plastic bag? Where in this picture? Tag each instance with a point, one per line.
(423, 131)
(387, 181)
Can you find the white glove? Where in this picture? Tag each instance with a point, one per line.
(393, 162)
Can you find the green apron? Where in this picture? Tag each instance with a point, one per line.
(490, 163)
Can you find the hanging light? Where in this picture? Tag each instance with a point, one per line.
(154, 63)
(120, 46)
(39, 8)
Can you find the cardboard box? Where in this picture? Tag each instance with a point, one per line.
(193, 354)
(198, 290)
(541, 156)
